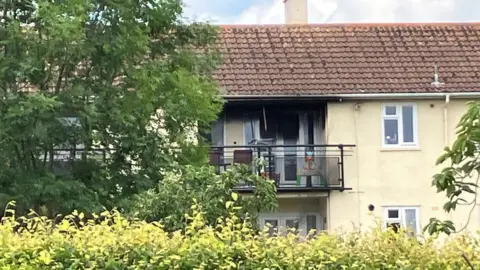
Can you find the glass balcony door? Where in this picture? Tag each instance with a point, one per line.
(298, 128)
(288, 135)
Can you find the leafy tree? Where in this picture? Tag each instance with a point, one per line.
(98, 98)
(202, 187)
(459, 179)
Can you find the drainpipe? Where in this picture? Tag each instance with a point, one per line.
(445, 119)
(445, 134)
(356, 112)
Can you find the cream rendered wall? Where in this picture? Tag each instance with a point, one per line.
(234, 130)
(289, 205)
(386, 177)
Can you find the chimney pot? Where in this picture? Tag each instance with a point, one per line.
(296, 11)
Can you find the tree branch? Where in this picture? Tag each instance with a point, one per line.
(474, 200)
(465, 258)
(59, 79)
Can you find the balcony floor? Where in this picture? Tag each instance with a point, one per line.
(287, 189)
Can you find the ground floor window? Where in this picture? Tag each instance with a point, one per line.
(280, 223)
(402, 217)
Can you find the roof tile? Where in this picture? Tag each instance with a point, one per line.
(349, 58)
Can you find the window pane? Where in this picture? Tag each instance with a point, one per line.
(411, 220)
(391, 131)
(248, 129)
(70, 121)
(393, 214)
(271, 125)
(311, 223)
(290, 168)
(273, 226)
(390, 110)
(291, 224)
(217, 133)
(407, 119)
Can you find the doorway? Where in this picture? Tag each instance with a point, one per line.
(288, 135)
(288, 130)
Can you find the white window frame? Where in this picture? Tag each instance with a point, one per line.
(295, 217)
(263, 220)
(401, 216)
(399, 117)
(282, 217)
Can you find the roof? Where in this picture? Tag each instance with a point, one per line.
(334, 59)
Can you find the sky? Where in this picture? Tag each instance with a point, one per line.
(334, 11)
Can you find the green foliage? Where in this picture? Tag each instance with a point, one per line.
(117, 243)
(138, 80)
(459, 179)
(175, 194)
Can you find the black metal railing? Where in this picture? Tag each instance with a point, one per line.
(289, 166)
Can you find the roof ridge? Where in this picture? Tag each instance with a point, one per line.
(357, 24)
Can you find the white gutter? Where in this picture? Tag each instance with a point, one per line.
(361, 96)
(411, 95)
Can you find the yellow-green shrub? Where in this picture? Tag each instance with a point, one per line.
(120, 244)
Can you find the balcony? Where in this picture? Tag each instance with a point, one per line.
(292, 167)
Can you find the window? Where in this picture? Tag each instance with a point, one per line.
(280, 223)
(291, 225)
(402, 217)
(399, 125)
(272, 225)
(251, 126)
(311, 223)
(69, 149)
(215, 135)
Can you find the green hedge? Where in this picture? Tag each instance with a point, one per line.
(117, 243)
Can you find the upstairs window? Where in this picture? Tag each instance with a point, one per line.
(399, 123)
(215, 135)
(251, 129)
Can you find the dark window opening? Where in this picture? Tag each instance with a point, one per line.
(311, 223)
(310, 129)
(268, 129)
(393, 214)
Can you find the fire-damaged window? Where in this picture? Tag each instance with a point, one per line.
(215, 135)
(250, 129)
(269, 125)
(260, 125)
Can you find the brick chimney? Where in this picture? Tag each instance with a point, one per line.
(296, 11)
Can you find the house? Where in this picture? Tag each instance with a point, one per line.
(348, 119)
